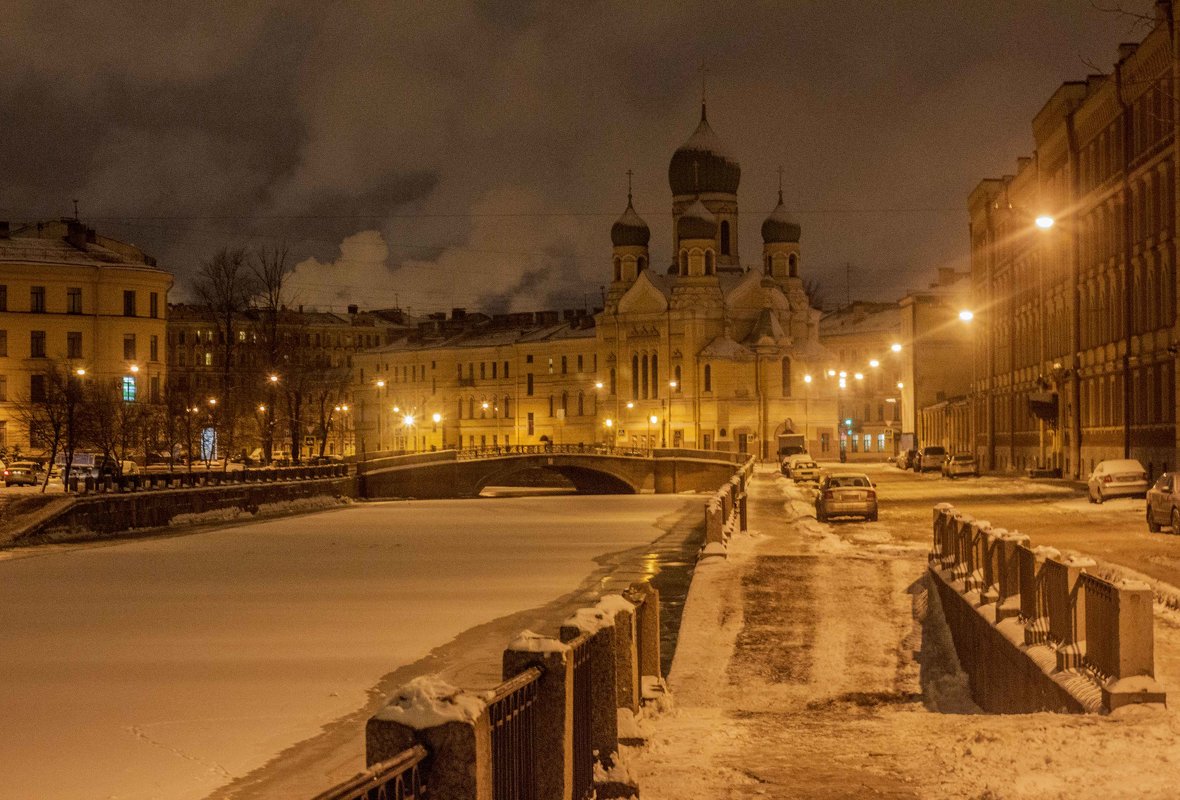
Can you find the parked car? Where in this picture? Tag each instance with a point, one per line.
(929, 458)
(905, 459)
(1163, 504)
(960, 464)
(1118, 477)
(802, 468)
(846, 494)
(21, 473)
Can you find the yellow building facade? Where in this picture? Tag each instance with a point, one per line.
(75, 300)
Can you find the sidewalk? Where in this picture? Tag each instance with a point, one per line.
(810, 666)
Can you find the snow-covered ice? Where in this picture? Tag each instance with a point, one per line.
(169, 667)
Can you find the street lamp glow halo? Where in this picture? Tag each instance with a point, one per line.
(1044, 222)
(895, 347)
(437, 417)
(966, 315)
(408, 420)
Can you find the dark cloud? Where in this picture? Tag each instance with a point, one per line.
(479, 149)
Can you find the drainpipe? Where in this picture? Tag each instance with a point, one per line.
(1128, 231)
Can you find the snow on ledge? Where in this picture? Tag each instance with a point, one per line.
(589, 620)
(529, 642)
(614, 603)
(427, 701)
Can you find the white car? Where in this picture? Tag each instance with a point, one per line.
(1118, 477)
(960, 464)
(802, 468)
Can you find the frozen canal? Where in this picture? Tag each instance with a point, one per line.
(181, 667)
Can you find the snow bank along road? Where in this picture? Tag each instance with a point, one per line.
(811, 664)
(176, 668)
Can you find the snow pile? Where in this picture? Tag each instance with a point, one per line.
(614, 604)
(589, 620)
(428, 701)
(713, 549)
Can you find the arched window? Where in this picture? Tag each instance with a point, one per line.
(551, 406)
(724, 237)
(708, 378)
(679, 385)
(565, 404)
(613, 381)
(655, 376)
(767, 268)
(708, 262)
(643, 378)
(618, 268)
(786, 377)
(581, 404)
(507, 407)
(634, 377)
(683, 262)
(793, 263)
(460, 414)
(471, 407)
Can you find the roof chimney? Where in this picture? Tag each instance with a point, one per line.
(352, 309)
(76, 234)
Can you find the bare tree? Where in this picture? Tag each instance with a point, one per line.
(51, 415)
(328, 394)
(270, 270)
(815, 292)
(226, 285)
(115, 424)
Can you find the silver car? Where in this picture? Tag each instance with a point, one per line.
(20, 473)
(846, 494)
(960, 464)
(1117, 477)
(1163, 503)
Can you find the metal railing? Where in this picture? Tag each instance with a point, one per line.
(185, 479)
(583, 754)
(395, 779)
(493, 451)
(513, 723)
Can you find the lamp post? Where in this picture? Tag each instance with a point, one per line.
(652, 420)
(436, 418)
(380, 386)
(807, 411)
(268, 444)
(408, 423)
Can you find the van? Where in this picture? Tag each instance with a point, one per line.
(929, 458)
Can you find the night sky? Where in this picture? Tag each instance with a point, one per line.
(475, 154)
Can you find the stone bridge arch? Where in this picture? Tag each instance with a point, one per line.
(586, 479)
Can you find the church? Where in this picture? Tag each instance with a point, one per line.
(706, 353)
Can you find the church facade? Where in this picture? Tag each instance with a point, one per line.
(705, 353)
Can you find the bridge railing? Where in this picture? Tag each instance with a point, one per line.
(1097, 627)
(498, 451)
(200, 478)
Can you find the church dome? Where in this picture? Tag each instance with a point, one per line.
(703, 164)
(696, 222)
(630, 230)
(779, 227)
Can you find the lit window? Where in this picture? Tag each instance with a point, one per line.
(128, 389)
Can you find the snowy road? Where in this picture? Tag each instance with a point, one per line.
(177, 667)
(812, 664)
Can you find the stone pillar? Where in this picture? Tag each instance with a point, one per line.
(452, 725)
(714, 522)
(554, 747)
(1133, 680)
(604, 719)
(626, 658)
(647, 610)
(1008, 574)
(1067, 609)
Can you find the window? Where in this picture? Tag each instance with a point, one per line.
(155, 388)
(3, 390)
(724, 237)
(880, 443)
(208, 359)
(551, 405)
(613, 381)
(528, 359)
(507, 406)
(506, 375)
(129, 302)
(868, 442)
(579, 363)
(529, 385)
(128, 389)
(635, 377)
(550, 365)
(564, 365)
(73, 301)
(679, 383)
(37, 388)
(3, 344)
(495, 369)
(786, 377)
(37, 344)
(708, 378)
(37, 300)
(3, 297)
(154, 348)
(129, 347)
(154, 305)
(483, 370)
(793, 261)
(74, 344)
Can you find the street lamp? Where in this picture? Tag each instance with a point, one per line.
(652, 420)
(1044, 221)
(408, 423)
(895, 347)
(966, 315)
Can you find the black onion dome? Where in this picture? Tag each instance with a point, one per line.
(703, 164)
(696, 222)
(779, 227)
(630, 230)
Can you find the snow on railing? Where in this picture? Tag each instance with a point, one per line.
(1097, 628)
(552, 728)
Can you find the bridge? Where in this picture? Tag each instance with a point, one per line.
(592, 469)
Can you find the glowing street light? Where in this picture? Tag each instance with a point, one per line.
(807, 379)
(1044, 222)
(900, 385)
(966, 315)
(860, 376)
(436, 417)
(843, 374)
(380, 384)
(134, 368)
(272, 378)
(262, 409)
(895, 347)
(408, 420)
(831, 373)
(80, 372)
(597, 384)
(212, 401)
(874, 363)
